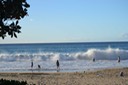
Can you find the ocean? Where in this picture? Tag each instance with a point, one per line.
(72, 56)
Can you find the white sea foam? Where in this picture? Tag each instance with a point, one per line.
(103, 54)
(99, 54)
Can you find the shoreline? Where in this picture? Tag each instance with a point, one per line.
(60, 71)
(98, 77)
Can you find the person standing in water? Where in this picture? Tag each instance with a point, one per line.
(39, 67)
(93, 59)
(31, 64)
(118, 59)
(58, 65)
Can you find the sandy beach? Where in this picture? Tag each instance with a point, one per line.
(100, 77)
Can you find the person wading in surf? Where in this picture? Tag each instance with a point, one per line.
(31, 64)
(118, 59)
(57, 64)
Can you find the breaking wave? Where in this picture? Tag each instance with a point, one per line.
(99, 54)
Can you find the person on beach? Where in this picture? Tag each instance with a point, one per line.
(39, 66)
(57, 64)
(93, 59)
(118, 59)
(31, 64)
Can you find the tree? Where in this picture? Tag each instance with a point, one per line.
(11, 11)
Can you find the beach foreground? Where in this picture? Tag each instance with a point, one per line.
(102, 77)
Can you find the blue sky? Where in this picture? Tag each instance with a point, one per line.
(74, 21)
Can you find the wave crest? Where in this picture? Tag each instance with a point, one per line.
(104, 54)
(99, 54)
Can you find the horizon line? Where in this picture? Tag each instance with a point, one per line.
(67, 42)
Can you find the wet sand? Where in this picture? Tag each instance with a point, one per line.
(100, 77)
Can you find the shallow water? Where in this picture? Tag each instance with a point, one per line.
(65, 66)
(72, 56)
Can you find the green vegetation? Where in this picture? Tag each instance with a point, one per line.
(11, 11)
(12, 82)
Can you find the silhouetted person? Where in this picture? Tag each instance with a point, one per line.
(31, 64)
(57, 64)
(39, 67)
(118, 59)
(93, 59)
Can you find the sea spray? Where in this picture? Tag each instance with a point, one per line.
(98, 54)
(72, 56)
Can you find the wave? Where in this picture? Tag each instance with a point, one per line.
(99, 54)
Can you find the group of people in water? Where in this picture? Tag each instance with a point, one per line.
(39, 67)
(58, 64)
(118, 60)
